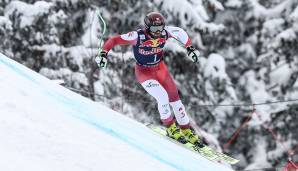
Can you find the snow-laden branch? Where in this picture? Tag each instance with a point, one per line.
(191, 15)
(259, 11)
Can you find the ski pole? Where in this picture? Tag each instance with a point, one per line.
(101, 28)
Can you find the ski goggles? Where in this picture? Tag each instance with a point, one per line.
(156, 28)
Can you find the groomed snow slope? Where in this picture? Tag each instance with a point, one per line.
(44, 126)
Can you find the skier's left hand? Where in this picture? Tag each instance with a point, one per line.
(193, 53)
(102, 60)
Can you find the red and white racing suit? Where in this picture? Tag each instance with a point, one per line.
(152, 73)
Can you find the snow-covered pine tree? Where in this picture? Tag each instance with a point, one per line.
(249, 49)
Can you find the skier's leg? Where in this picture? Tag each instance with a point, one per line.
(180, 114)
(184, 123)
(147, 78)
(168, 83)
(155, 89)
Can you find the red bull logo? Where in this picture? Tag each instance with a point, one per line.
(153, 42)
(150, 52)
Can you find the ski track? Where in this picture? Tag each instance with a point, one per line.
(87, 111)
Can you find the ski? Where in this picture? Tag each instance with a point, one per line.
(206, 151)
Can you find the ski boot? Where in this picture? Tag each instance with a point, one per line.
(174, 132)
(192, 137)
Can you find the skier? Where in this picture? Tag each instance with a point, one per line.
(152, 73)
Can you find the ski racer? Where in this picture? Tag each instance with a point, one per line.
(152, 73)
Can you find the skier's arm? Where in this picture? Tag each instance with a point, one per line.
(181, 36)
(124, 39)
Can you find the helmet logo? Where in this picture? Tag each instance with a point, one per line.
(154, 19)
(157, 21)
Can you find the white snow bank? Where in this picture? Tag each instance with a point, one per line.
(44, 126)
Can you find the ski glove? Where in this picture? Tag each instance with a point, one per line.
(193, 53)
(102, 60)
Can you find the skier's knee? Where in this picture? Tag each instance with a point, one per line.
(173, 97)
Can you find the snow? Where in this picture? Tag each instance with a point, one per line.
(44, 126)
(91, 24)
(28, 12)
(278, 9)
(277, 19)
(5, 23)
(54, 74)
(50, 50)
(294, 15)
(196, 12)
(260, 11)
(78, 53)
(99, 88)
(279, 151)
(273, 26)
(61, 82)
(288, 34)
(260, 160)
(217, 5)
(257, 90)
(79, 78)
(175, 7)
(215, 67)
(233, 3)
(281, 75)
(58, 17)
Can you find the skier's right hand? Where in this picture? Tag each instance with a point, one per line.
(102, 60)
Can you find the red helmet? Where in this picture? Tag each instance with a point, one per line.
(154, 22)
